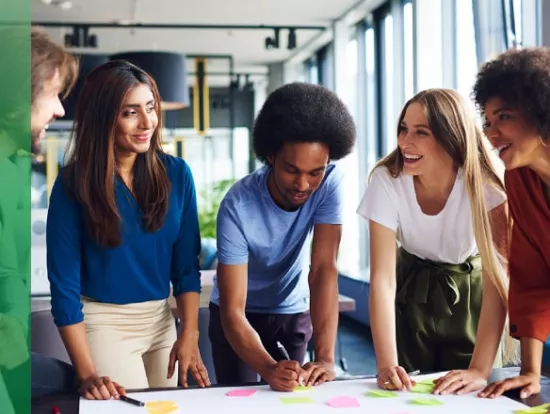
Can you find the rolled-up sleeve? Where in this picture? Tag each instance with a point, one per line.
(64, 247)
(185, 275)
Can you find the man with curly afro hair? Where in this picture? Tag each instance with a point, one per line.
(261, 317)
(513, 92)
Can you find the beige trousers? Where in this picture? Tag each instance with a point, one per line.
(131, 343)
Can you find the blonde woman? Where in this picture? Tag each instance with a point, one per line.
(435, 195)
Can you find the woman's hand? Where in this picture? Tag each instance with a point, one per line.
(528, 382)
(186, 352)
(394, 378)
(460, 382)
(100, 388)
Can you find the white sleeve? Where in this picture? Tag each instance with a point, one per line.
(379, 203)
(494, 197)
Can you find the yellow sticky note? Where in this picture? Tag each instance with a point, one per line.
(422, 388)
(539, 409)
(426, 401)
(161, 407)
(302, 388)
(381, 394)
(296, 400)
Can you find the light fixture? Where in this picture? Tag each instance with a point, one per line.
(272, 42)
(169, 72)
(291, 39)
(87, 63)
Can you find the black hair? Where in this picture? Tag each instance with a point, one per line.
(521, 79)
(303, 112)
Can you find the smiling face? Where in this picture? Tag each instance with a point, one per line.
(297, 171)
(421, 152)
(136, 121)
(516, 139)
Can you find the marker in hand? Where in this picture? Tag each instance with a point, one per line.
(284, 352)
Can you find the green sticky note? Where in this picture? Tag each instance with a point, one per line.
(539, 409)
(381, 394)
(423, 388)
(426, 401)
(302, 388)
(426, 381)
(296, 400)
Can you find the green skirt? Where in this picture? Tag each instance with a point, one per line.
(437, 312)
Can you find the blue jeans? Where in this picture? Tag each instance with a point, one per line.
(51, 376)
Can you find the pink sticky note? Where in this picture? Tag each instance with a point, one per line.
(343, 402)
(240, 393)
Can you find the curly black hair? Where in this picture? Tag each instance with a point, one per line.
(521, 79)
(303, 112)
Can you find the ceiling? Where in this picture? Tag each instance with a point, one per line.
(246, 46)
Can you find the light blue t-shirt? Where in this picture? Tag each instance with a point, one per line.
(252, 229)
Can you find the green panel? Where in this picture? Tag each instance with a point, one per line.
(15, 173)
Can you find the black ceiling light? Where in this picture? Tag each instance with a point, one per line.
(272, 42)
(169, 72)
(291, 39)
(87, 63)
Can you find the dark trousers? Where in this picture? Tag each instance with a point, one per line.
(292, 331)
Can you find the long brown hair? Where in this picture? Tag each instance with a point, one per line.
(92, 165)
(453, 124)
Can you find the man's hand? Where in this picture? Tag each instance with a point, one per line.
(186, 352)
(13, 343)
(284, 375)
(460, 382)
(528, 382)
(318, 373)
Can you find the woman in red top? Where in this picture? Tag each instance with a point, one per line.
(513, 92)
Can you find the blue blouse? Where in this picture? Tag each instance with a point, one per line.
(139, 269)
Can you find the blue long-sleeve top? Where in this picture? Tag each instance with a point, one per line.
(139, 269)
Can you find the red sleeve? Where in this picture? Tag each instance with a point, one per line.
(529, 295)
(529, 298)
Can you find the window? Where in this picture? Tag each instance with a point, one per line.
(348, 257)
(408, 42)
(466, 58)
(390, 140)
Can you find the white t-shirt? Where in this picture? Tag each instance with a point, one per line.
(447, 237)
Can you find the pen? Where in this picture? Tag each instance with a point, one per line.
(131, 401)
(283, 351)
(287, 357)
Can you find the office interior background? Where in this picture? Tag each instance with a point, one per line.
(216, 61)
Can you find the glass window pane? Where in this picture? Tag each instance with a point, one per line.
(408, 30)
(389, 130)
(466, 57)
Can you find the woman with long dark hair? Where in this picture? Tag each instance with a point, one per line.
(123, 226)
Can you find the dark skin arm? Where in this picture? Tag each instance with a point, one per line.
(323, 285)
(233, 286)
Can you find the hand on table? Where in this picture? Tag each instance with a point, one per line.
(284, 375)
(100, 388)
(394, 378)
(186, 352)
(318, 373)
(528, 382)
(460, 382)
